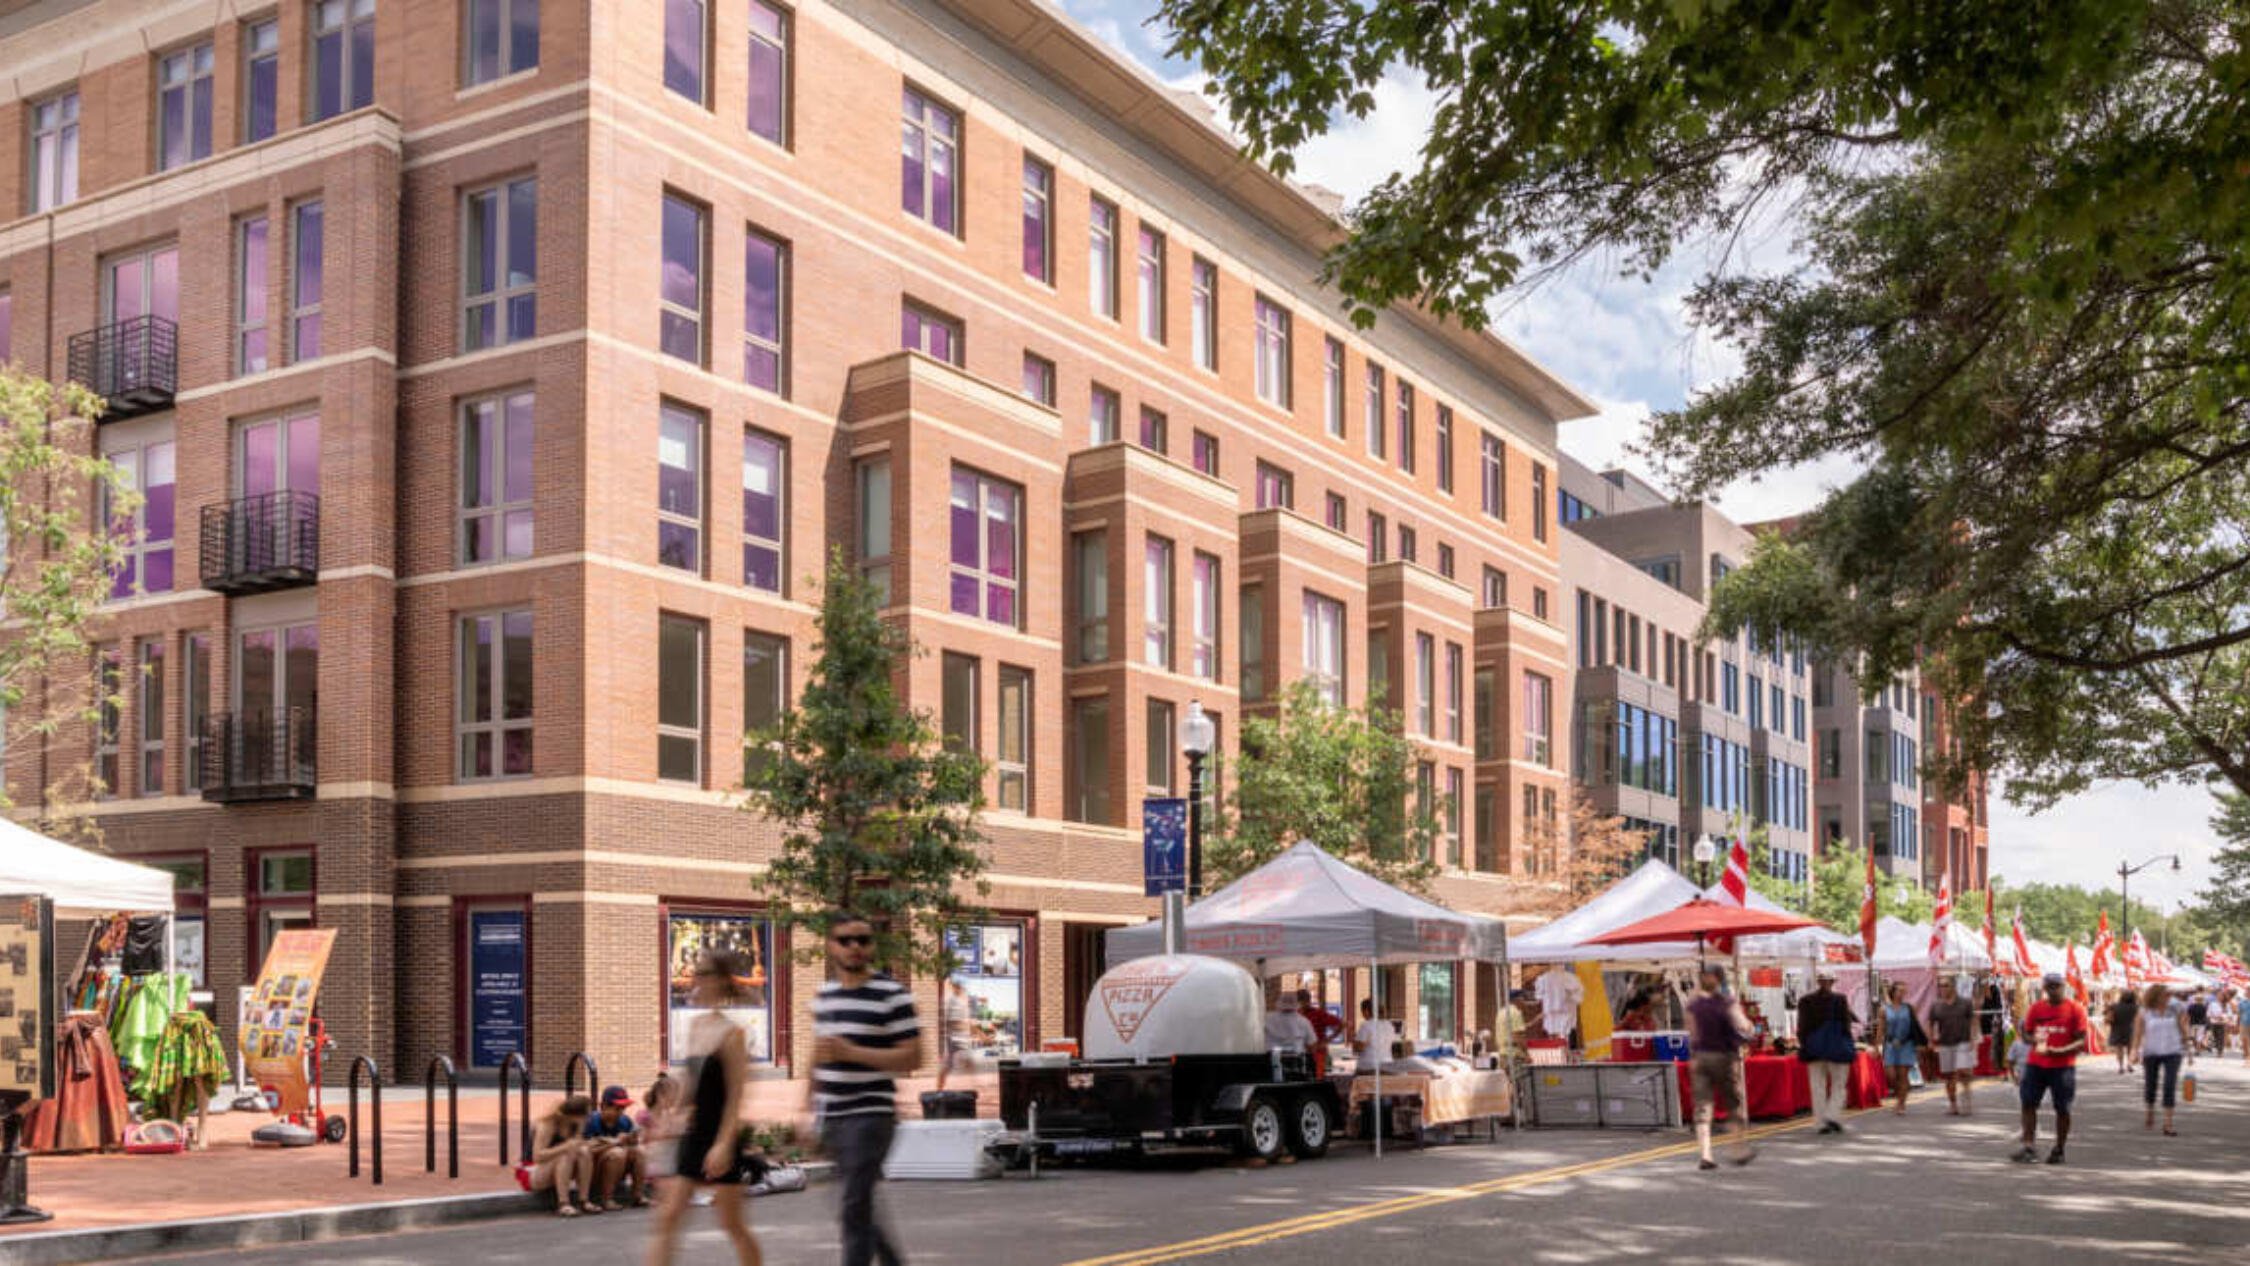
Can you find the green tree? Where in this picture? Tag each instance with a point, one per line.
(2226, 902)
(881, 818)
(1839, 878)
(1786, 893)
(1340, 777)
(2021, 300)
(55, 567)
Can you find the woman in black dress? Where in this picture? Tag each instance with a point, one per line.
(2122, 1012)
(710, 1148)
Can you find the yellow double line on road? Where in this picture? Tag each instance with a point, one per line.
(1263, 1233)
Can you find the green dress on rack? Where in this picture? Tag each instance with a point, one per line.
(139, 1026)
(189, 1058)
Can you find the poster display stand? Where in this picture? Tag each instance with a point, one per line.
(277, 1041)
(27, 1038)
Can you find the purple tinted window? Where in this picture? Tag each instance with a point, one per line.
(680, 293)
(763, 264)
(932, 335)
(484, 40)
(304, 453)
(250, 287)
(261, 459)
(1207, 453)
(328, 75)
(363, 56)
(1038, 223)
(496, 479)
(305, 285)
(261, 48)
(928, 140)
(679, 489)
(761, 511)
(159, 489)
(984, 523)
(683, 48)
(1038, 377)
(769, 72)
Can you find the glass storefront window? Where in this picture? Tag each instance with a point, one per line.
(686, 937)
(983, 1006)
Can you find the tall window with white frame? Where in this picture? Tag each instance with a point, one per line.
(1445, 448)
(679, 699)
(764, 517)
(680, 295)
(1038, 220)
(1453, 669)
(149, 708)
(772, 37)
(1538, 719)
(261, 80)
(183, 106)
(929, 162)
(493, 723)
(1539, 507)
(1148, 284)
(1090, 746)
(765, 693)
(1203, 312)
(54, 152)
(1251, 646)
(1374, 411)
(343, 57)
(1203, 617)
(502, 39)
(1406, 426)
(1156, 590)
(679, 488)
(959, 724)
(1159, 749)
(1101, 257)
(1332, 386)
(1491, 476)
(687, 61)
(496, 492)
(500, 232)
(1425, 685)
(251, 258)
(765, 312)
(871, 524)
(109, 720)
(1090, 569)
(986, 562)
(145, 462)
(306, 234)
(1272, 332)
(195, 708)
(1012, 755)
(1324, 647)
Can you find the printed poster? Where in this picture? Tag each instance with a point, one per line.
(499, 1007)
(276, 1041)
(27, 1001)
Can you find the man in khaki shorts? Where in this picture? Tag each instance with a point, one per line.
(1717, 1030)
(1952, 1025)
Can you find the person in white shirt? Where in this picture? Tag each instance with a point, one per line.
(1287, 1028)
(1373, 1043)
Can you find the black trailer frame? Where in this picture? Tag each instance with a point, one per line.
(1092, 1107)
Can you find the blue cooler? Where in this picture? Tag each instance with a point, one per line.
(1669, 1047)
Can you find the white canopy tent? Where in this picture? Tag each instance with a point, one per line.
(1902, 955)
(81, 883)
(1649, 891)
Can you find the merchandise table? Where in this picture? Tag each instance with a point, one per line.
(1445, 1100)
(1780, 1086)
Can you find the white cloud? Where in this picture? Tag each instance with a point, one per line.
(2083, 839)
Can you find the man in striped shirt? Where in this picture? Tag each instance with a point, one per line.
(864, 1036)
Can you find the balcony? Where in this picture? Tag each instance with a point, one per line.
(258, 756)
(255, 544)
(133, 364)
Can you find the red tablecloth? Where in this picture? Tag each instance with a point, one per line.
(1779, 1086)
(1988, 1062)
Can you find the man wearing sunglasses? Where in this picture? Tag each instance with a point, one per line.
(864, 1037)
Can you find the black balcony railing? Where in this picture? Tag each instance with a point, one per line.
(270, 541)
(258, 755)
(133, 364)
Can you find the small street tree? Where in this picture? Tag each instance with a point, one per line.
(55, 567)
(881, 816)
(1340, 777)
(1570, 862)
(1838, 874)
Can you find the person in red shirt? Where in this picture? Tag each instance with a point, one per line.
(1327, 1026)
(2056, 1030)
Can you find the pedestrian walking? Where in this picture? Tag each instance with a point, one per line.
(1953, 1030)
(865, 1036)
(958, 1039)
(1903, 1040)
(1717, 1029)
(2242, 1023)
(2123, 1009)
(2198, 1016)
(2056, 1030)
(2160, 1041)
(708, 1153)
(1825, 1025)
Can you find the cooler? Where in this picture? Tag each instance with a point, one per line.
(1670, 1047)
(1632, 1047)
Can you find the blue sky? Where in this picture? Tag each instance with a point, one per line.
(1627, 344)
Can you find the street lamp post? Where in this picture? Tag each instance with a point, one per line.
(1706, 848)
(1197, 734)
(2124, 902)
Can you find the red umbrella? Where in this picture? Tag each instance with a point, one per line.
(1719, 921)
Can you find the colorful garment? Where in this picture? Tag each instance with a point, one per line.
(142, 1016)
(189, 1063)
(89, 1111)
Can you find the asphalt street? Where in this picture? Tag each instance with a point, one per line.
(1890, 1190)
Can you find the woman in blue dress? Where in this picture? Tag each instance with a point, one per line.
(1902, 1036)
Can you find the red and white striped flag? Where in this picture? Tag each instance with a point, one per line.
(1867, 909)
(2071, 972)
(1941, 924)
(2023, 964)
(2104, 946)
(2137, 964)
(1991, 947)
(1736, 882)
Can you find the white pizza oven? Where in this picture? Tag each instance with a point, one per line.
(1175, 1004)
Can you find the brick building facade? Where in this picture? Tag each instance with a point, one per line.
(500, 377)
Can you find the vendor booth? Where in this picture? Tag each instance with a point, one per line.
(1308, 910)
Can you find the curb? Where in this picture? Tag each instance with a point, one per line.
(265, 1230)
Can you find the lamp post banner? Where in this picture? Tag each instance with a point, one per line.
(1164, 846)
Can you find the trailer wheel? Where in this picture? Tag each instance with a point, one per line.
(1309, 1128)
(1264, 1134)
